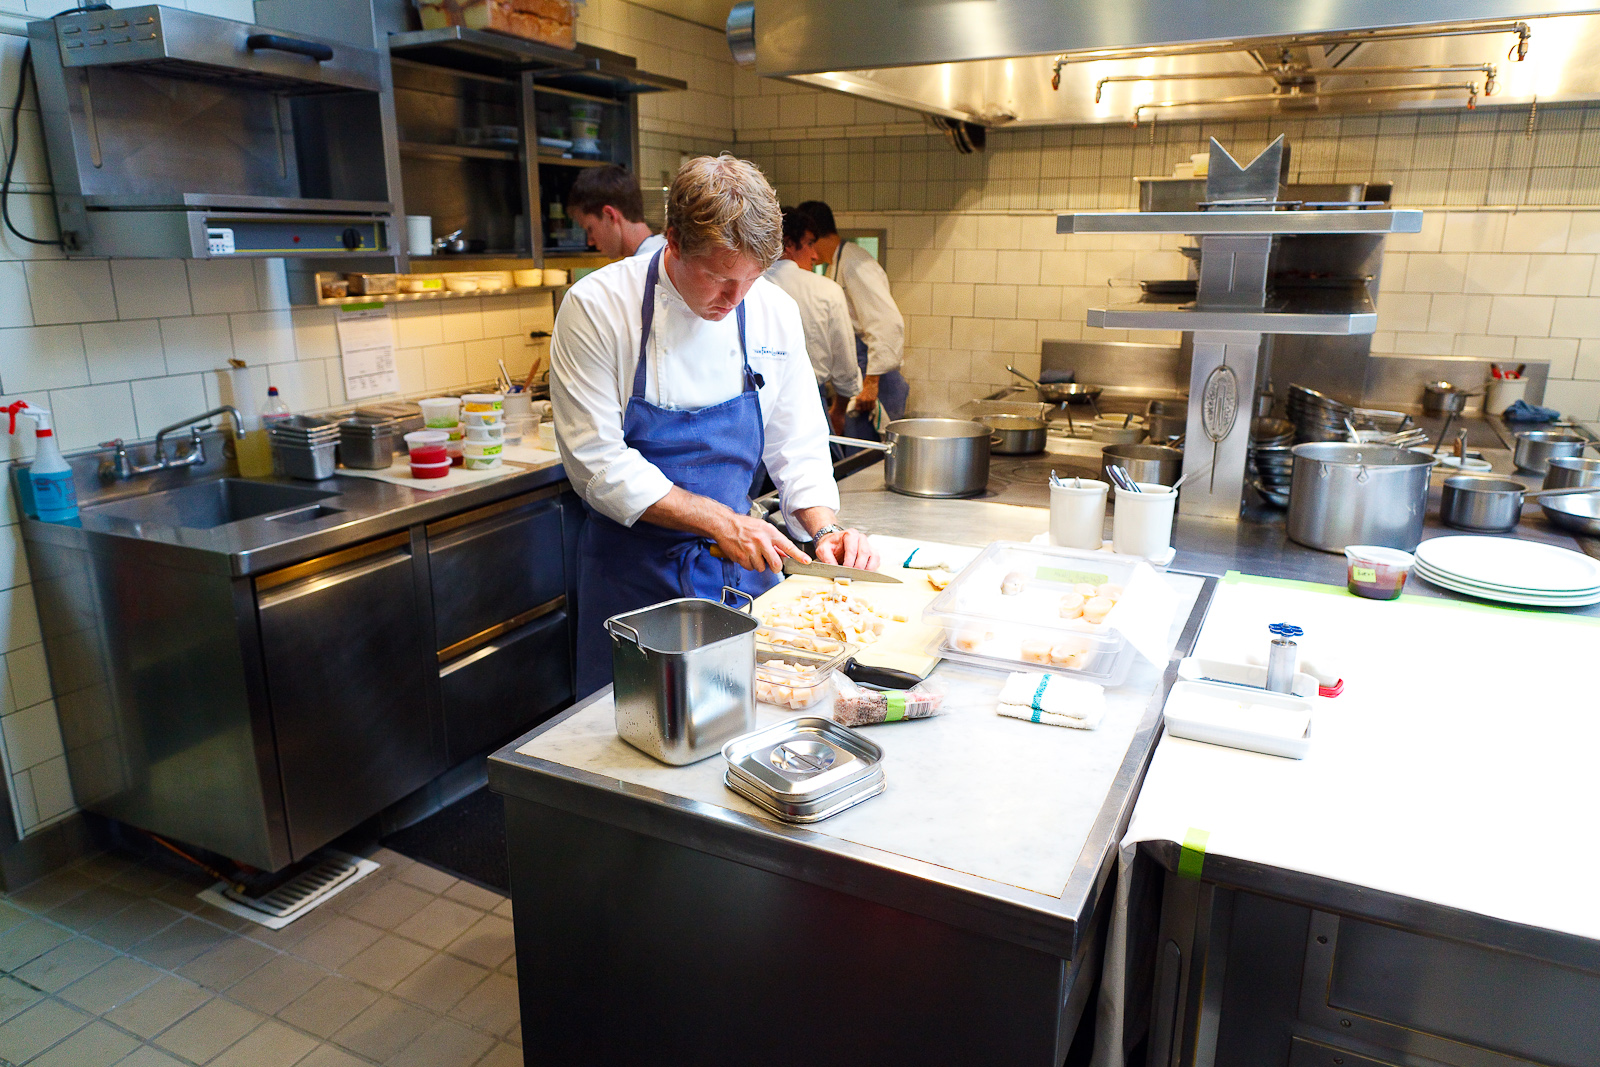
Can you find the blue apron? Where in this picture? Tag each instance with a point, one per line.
(893, 392)
(713, 452)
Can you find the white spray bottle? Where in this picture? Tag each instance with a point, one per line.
(55, 497)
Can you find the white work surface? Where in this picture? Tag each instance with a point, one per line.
(1458, 766)
(969, 790)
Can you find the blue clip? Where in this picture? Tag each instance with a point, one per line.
(1283, 629)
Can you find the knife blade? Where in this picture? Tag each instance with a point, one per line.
(829, 570)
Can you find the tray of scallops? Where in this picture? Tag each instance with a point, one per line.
(1084, 614)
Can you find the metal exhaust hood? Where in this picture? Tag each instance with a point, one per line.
(1070, 62)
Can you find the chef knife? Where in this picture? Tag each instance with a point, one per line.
(829, 570)
(823, 570)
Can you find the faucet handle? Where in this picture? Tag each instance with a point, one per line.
(115, 443)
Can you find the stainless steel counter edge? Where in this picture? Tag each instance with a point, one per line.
(1057, 925)
(368, 508)
(1406, 913)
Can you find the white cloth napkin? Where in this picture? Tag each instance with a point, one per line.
(1053, 699)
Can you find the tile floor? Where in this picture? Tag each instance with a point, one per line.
(114, 961)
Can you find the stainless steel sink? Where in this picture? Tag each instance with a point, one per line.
(211, 504)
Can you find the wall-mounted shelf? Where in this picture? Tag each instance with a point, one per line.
(1207, 223)
(420, 150)
(1181, 317)
(408, 298)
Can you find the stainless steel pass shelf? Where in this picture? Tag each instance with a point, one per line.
(1242, 320)
(1242, 222)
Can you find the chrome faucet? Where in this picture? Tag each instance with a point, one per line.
(122, 467)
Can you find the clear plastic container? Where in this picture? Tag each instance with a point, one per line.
(1037, 608)
(1375, 572)
(482, 402)
(440, 412)
(795, 670)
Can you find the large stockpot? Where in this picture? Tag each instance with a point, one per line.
(932, 457)
(1344, 494)
(1015, 435)
(1146, 463)
(685, 673)
(1536, 448)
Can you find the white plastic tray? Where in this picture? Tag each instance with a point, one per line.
(1185, 718)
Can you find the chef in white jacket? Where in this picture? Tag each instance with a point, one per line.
(879, 328)
(824, 313)
(672, 377)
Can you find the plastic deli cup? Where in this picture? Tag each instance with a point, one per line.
(428, 446)
(1375, 572)
(1141, 523)
(482, 402)
(1078, 513)
(481, 418)
(482, 463)
(430, 470)
(440, 412)
(485, 435)
(480, 449)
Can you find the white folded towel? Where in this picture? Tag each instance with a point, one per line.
(1053, 699)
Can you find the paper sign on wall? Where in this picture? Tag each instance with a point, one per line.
(367, 347)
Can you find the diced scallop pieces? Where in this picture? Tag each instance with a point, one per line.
(1013, 583)
(938, 579)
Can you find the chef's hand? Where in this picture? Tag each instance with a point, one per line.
(848, 548)
(756, 544)
(865, 400)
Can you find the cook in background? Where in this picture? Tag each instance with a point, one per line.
(607, 203)
(672, 377)
(880, 331)
(824, 313)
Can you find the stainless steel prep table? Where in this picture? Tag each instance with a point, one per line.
(664, 926)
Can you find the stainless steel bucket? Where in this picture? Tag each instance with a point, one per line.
(1345, 494)
(683, 677)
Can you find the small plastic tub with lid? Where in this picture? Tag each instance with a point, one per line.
(482, 402)
(481, 463)
(1375, 572)
(480, 420)
(430, 470)
(485, 435)
(440, 412)
(428, 446)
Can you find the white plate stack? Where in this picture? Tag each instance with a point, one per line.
(1511, 571)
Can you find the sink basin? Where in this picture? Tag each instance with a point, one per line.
(212, 504)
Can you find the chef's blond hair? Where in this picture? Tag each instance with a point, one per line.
(723, 202)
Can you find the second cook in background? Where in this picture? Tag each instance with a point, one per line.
(880, 330)
(824, 313)
(607, 203)
(671, 377)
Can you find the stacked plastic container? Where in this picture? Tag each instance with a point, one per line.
(483, 423)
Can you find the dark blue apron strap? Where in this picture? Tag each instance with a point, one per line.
(752, 380)
(647, 318)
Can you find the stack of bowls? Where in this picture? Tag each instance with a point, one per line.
(1271, 459)
(483, 421)
(1317, 416)
(306, 447)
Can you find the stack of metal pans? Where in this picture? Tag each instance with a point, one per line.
(1317, 416)
(805, 769)
(1271, 459)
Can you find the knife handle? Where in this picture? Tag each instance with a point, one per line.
(881, 677)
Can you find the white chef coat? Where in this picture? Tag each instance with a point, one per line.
(649, 245)
(874, 315)
(825, 314)
(692, 364)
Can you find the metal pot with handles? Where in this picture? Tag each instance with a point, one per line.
(932, 457)
(1015, 435)
(1345, 494)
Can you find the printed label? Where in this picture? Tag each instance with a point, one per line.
(1364, 574)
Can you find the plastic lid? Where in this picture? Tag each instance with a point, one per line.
(427, 437)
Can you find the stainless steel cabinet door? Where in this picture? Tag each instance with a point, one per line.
(491, 565)
(507, 686)
(347, 679)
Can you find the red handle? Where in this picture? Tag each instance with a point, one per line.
(12, 409)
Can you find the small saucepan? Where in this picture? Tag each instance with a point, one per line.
(1015, 435)
(1491, 505)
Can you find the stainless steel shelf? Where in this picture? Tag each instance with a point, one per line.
(1183, 317)
(1241, 222)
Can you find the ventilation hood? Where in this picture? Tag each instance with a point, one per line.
(1070, 62)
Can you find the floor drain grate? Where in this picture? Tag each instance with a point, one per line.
(284, 904)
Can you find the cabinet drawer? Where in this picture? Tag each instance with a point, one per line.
(510, 685)
(498, 563)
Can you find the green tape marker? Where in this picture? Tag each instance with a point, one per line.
(1066, 577)
(897, 707)
(1193, 857)
(372, 305)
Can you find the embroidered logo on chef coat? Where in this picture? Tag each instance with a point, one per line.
(767, 352)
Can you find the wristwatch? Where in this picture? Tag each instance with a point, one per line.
(831, 528)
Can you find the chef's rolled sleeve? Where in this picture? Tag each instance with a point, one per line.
(587, 407)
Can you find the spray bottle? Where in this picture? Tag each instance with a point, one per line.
(55, 497)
